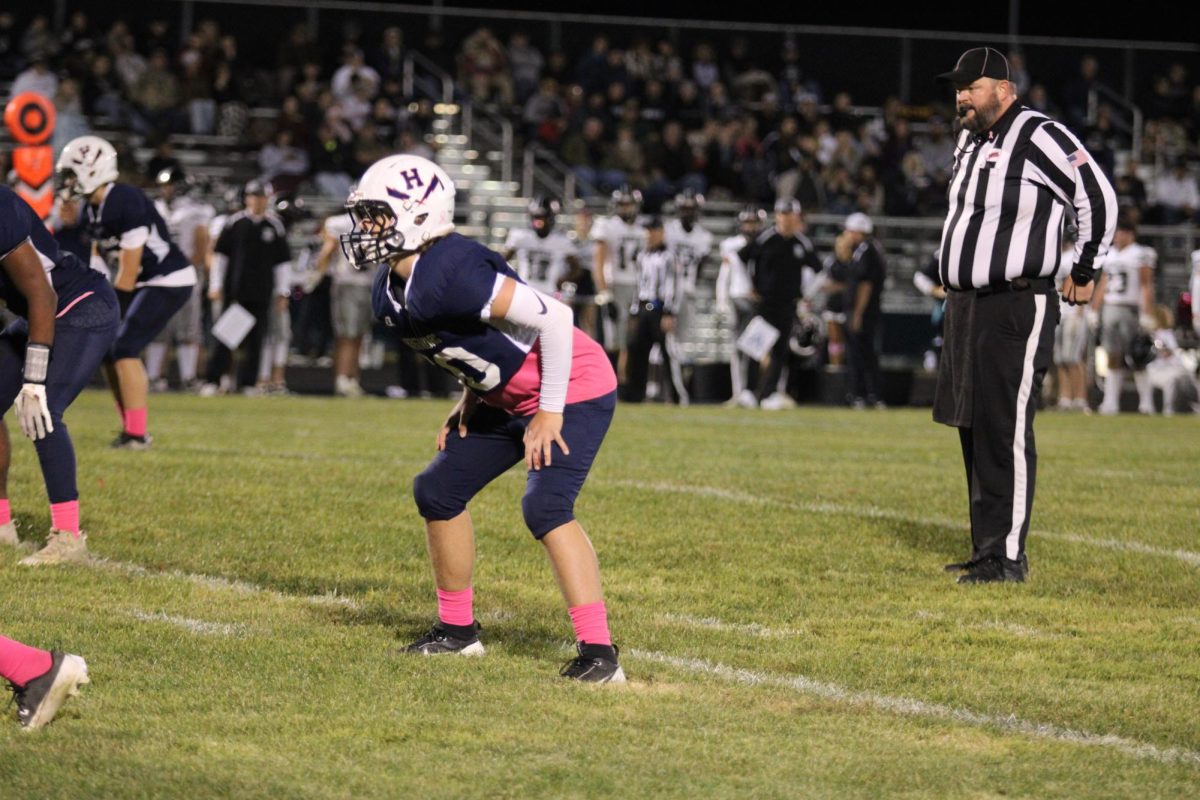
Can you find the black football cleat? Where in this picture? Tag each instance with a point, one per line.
(443, 639)
(127, 441)
(596, 663)
(40, 699)
(996, 569)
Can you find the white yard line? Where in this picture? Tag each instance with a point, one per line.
(870, 512)
(218, 582)
(711, 623)
(898, 705)
(910, 707)
(196, 626)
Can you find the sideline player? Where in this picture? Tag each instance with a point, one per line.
(535, 389)
(66, 321)
(153, 279)
(543, 256)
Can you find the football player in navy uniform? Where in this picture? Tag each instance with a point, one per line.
(153, 278)
(535, 389)
(64, 306)
(40, 680)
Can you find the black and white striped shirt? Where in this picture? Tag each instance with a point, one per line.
(658, 277)
(1010, 189)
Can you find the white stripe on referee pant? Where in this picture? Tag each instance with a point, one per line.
(1012, 543)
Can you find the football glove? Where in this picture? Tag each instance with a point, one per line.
(33, 411)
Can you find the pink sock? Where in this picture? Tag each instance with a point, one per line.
(65, 516)
(21, 663)
(135, 421)
(591, 623)
(456, 608)
(5, 512)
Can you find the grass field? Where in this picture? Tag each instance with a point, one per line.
(774, 581)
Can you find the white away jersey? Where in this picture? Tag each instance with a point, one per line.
(689, 248)
(1124, 287)
(733, 281)
(341, 270)
(624, 240)
(541, 262)
(183, 217)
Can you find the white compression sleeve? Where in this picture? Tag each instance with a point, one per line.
(556, 333)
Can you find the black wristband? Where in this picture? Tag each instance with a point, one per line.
(1082, 276)
(124, 298)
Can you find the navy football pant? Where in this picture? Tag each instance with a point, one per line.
(494, 443)
(150, 311)
(82, 338)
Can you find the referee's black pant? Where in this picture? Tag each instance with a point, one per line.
(997, 350)
(645, 331)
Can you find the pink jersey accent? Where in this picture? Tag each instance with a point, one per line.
(74, 303)
(592, 376)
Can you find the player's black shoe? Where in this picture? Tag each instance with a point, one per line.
(996, 569)
(40, 699)
(596, 663)
(445, 639)
(127, 441)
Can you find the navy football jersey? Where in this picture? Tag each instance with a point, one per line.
(442, 313)
(19, 223)
(125, 219)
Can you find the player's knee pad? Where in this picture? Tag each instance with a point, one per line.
(435, 500)
(545, 511)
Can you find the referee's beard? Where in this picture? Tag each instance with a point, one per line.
(979, 118)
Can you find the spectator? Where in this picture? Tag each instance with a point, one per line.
(1018, 74)
(484, 68)
(1176, 197)
(1131, 192)
(354, 76)
(293, 54)
(163, 160)
(590, 71)
(673, 166)
(591, 160)
(330, 159)
(8, 45)
(129, 65)
(70, 122)
(527, 63)
(543, 108)
(705, 70)
(688, 108)
(197, 92)
(39, 40)
(388, 59)
(37, 78)
(283, 164)
(156, 93)
(1077, 93)
(937, 150)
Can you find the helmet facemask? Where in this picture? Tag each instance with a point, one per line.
(374, 236)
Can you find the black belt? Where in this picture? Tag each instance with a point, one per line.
(1016, 285)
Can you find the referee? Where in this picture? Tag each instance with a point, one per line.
(1015, 174)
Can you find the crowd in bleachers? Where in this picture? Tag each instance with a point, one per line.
(716, 116)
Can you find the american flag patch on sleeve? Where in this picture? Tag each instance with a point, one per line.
(1078, 158)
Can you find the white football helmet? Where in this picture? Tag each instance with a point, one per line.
(86, 164)
(401, 203)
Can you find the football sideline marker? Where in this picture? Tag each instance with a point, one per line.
(906, 706)
(871, 512)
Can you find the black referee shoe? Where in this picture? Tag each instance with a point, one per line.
(995, 569)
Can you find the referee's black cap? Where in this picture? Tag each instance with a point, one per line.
(978, 62)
